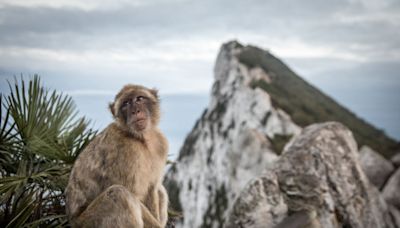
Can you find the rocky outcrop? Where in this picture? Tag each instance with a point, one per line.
(391, 191)
(260, 204)
(396, 160)
(395, 213)
(318, 173)
(230, 171)
(375, 166)
(236, 139)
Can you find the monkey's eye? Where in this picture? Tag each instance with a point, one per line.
(125, 103)
(140, 98)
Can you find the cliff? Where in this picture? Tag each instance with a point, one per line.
(230, 171)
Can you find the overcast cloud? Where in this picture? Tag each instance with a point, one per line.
(348, 48)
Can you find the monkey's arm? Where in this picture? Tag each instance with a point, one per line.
(163, 204)
(152, 202)
(157, 204)
(148, 218)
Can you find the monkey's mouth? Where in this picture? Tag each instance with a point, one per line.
(140, 123)
(139, 120)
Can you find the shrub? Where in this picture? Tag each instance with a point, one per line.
(40, 138)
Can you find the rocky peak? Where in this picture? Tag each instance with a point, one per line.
(238, 136)
(257, 106)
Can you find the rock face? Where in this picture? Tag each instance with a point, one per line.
(234, 141)
(375, 166)
(260, 204)
(391, 191)
(396, 160)
(319, 173)
(230, 171)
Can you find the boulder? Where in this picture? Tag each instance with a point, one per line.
(317, 180)
(260, 204)
(395, 213)
(375, 166)
(396, 160)
(391, 191)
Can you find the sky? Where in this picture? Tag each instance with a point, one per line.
(350, 49)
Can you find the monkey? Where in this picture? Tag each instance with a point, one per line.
(117, 179)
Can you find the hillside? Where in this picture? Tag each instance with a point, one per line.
(306, 104)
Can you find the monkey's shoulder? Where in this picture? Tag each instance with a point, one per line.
(106, 145)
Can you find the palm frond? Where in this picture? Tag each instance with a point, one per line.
(40, 138)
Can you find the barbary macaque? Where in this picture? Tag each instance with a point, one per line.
(117, 180)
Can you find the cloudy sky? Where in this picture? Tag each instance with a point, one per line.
(350, 49)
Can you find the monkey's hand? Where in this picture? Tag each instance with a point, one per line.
(148, 218)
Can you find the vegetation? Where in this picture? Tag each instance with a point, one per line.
(306, 104)
(279, 141)
(40, 137)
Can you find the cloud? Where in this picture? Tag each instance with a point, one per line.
(356, 27)
(89, 48)
(165, 38)
(173, 44)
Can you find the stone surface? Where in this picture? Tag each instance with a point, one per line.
(395, 213)
(230, 144)
(396, 160)
(230, 171)
(319, 172)
(391, 191)
(375, 166)
(260, 204)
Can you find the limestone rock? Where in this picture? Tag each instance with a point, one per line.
(396, 160)
(240, 136)
(260, 204)
(395, 213)
(391, 191)
(232, 142)
(319, 172)
(375, 166)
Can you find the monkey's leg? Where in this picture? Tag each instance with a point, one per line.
(115, 207)
(163, 205)
(148, 218)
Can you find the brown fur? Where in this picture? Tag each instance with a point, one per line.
(116, 180)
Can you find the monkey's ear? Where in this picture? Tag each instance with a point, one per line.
(154, 91)
(111, 106)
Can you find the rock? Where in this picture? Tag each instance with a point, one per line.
(318, 173)
(396, 160)
(395, 213)
(241, 134)
(235, 140)
(375, 166)
(391, 191)
(260, 204)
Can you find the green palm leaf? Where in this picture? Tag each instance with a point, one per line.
(40, 138)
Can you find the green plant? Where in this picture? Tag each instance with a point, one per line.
(307, 105)
(40, 138)
(279, 141)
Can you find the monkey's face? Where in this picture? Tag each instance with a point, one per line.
(136, 109)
